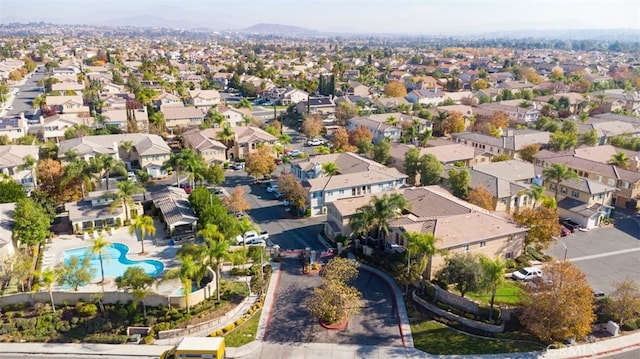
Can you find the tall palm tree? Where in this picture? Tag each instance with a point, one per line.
(244, 225)
(423, 246)
(30, 163)
(361, 223)
(80, 170)
(493, 277)
(386, 208)
(392, 120)
(108, 164)
(330, 168)
(558, 173)
(146, 226)
(227, 136)
(193, 163)
(186, 272)
(126, 146)
(620, 159)
(99, 247)
(48, 278)
(216, 252)
(175, 163)
(124, 197)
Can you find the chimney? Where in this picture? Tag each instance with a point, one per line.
(41, 120)
(115, 148)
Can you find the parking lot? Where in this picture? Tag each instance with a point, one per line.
(606, 254)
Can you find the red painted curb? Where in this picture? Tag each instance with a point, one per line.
(339, 326)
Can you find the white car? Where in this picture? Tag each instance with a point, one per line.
(272, 188)
(315, 142)
(527, 274)
(252, 236)
(295, 153)
(286, 203)
(256, 242)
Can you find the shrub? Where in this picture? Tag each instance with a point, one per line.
(630, 325)
(118, 222)
(75, 320)
(162, 326)
(151, 321)
(238, 271)
(239, 321)
(217, 333)
(87, 310)
(106, 338)
(229, 327)
(149, 339)
(250, 311)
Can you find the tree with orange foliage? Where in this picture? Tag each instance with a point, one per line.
(481, 197)
(454, 123)
(236, 201)
(395, 89)
(260, 163)
(312, 126)
(341, 141)
(51, 176)
(560, 305)
(362, 138)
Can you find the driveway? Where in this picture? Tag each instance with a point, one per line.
(290, 321)
(606, 254)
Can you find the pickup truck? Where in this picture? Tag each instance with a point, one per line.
(252, 235)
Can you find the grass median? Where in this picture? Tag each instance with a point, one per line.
(245, 333)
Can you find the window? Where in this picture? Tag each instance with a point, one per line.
(598, 178)
(575, 194)
(563, 190)
(611, 182)
(509, 255)
(552, 186)
(341, 191)
(465, 248)
(624, 184)
(330, 193)
(483, 244)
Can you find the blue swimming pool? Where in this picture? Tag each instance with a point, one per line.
(115, 261)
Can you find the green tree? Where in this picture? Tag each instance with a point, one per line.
(76, 273)
(31, 223)
(379, 212)
(561, 141)
(412, 164)
(186, 272)
(245, 225)
(558, 173)
(492, 277)
(124, 197)
(99, 248)
(108, 164)
(46, 279)
(430, 169)
(459, 180)
(29, 163)
(146, 226)
(138, 281)
(589, 138)
(216, 251)
(382, 151)
(463, 270)
(536, 193)
(11, 192)
(528, 152)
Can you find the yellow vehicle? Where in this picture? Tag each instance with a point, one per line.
(201, 347)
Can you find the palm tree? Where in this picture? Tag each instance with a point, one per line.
(78, 169)
(392, 120)
(386, 208)
(493, 277)
(558, 173)
(186, 272)
(108, 164)
(193, 163)
(216, 252)
(124, 197)
(620, 159)
(422, 245)
(146, 226)
(536, 193)
(30, 163)
(126, 146)
(99, 247)
(48, 278)
(330, 168)
(226, 136)
(361, 223)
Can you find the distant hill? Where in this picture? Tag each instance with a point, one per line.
(277, 29)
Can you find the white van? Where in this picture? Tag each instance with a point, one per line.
(527, 274)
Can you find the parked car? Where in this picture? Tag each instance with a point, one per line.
(570, 224)
(237, 166)
(564, 231)
(252, 235)
(277, 194)
(527, 274)
(315, 142)
(295, 153)
(187, 187)
(272, 188)
(257, 242)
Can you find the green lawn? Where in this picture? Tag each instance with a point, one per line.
(245, 333)
(508, 293)
(436, 338)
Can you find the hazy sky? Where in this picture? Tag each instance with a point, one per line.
(380, 16)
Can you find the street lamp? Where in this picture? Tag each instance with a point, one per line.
(565, 250)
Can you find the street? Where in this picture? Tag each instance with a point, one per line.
(605, 255)
(27, 91)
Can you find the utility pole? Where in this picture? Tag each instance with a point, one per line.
(261, 273)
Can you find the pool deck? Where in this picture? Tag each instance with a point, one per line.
(160, 250)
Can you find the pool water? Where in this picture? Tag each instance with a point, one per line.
(114, 260)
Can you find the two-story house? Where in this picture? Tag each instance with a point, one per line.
(204, 98)
(54, 127)
(204, 143)
(167, 100)
(234, 116)
(357, 176)
(13, 127)
(516, 112)
(247, 140)
(321, 105)
(182, 117)
(426, 97)
(149, 152)
(433, 210)
(12, 157)
(626, 181)
(388, 125)
(510, 143)
(67, 104)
